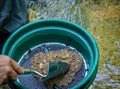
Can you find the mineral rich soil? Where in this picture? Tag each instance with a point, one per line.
(40, 62)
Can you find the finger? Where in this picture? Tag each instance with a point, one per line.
(12, 76)
(13, 64)
(3, 75)
(17, 67)
(3, 80)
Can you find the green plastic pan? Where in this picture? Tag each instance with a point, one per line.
(58, 31)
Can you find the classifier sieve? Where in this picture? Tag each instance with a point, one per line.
(28, 80)
(32, 35)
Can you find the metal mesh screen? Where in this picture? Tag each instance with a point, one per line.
(33, 83)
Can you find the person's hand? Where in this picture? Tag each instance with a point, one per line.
(9, 70)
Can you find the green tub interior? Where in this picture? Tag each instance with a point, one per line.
(54, 30)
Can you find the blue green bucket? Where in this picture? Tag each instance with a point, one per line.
(54, 30)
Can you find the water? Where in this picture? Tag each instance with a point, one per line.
(63, 9)
(101, 18)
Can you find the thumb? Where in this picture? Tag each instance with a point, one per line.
(17, 67)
